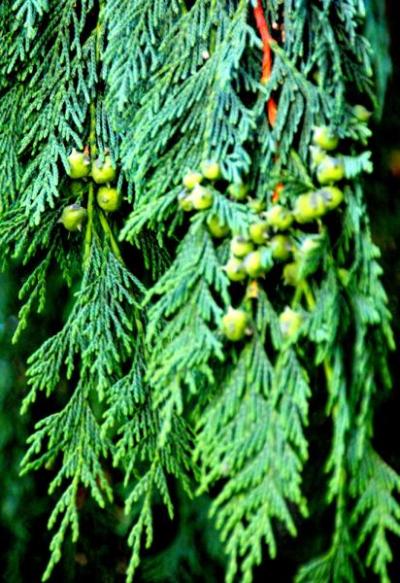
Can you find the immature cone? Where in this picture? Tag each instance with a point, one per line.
(217, 228)
(238, 190)
(210, 169)
(192, 178)
(332, 196)
(309, 207)
(281, 247)
(255, 263)
(79, 164)
(258, 232)
(73, 217)
(290, 323)
(103, 171)
(185, 201)
(234, 324)
(278, 217)
(235, 270)
(109, 199)
(202, 197)
(240, 246)
(330, 170)
(291, 274)
(361, 113)
(324, 138)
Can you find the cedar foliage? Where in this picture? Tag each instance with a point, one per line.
(154, 388)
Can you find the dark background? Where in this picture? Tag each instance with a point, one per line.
(101, 554)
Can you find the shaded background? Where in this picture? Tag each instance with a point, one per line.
(186, 550)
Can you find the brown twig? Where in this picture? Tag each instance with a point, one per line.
(267, 39)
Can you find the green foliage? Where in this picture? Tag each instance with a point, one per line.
(259, 412)
(376, 30)
(148, 385)
(373, 487)
(186, 291)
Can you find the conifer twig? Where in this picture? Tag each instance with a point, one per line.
(267, 41)
(93, 150)
(90, 204)
(108, 232)
(304, 289)
(272, 108)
